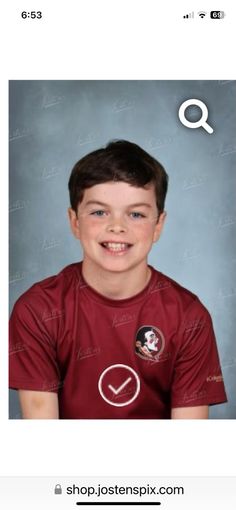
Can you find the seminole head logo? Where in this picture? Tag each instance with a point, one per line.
(149, 342)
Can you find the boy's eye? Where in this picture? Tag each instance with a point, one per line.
(100, 212)
(136, 215)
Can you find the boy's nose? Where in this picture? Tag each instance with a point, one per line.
(116, 226)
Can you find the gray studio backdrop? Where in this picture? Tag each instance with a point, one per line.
(55, 123)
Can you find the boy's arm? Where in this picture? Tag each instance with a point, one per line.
(39, 404)
(191, 413)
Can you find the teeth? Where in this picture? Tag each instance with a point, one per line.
(116, 246)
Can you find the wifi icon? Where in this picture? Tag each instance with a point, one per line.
(202, 14)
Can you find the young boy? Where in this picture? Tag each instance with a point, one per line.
(111, 337)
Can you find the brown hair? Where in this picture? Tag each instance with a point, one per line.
(120, 160)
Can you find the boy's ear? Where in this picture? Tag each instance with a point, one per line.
(74, 222)
(159, 226)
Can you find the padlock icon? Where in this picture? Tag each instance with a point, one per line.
(58, 489)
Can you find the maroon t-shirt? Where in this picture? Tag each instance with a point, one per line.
(128, 358)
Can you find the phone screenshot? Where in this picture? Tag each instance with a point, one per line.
(118, 285)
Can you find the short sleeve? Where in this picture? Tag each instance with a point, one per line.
(32, 352)
(197, 376)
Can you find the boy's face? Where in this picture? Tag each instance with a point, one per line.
(116, 224)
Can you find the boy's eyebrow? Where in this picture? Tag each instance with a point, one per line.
(97, 202)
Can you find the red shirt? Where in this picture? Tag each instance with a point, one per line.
(128, 358)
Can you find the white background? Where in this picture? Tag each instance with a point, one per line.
(107, 39)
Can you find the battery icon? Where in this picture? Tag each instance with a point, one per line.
(217, 14)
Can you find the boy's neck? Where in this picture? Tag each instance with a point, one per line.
(116, 285)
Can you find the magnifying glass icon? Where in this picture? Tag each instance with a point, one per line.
(202, 122)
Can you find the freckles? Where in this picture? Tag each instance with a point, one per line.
(89, 222)
(147, 231)
(91, 228)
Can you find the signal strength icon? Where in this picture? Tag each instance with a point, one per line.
(190, 15)
(202, 14)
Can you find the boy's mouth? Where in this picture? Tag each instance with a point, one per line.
(116, 247)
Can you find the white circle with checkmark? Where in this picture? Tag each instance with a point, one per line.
(119, 382)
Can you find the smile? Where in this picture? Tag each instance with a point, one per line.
(116, 247)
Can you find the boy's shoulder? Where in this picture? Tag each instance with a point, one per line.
(174, 295)
(52, 288)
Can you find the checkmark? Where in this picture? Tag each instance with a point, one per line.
(121, 387)
(110, 394)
